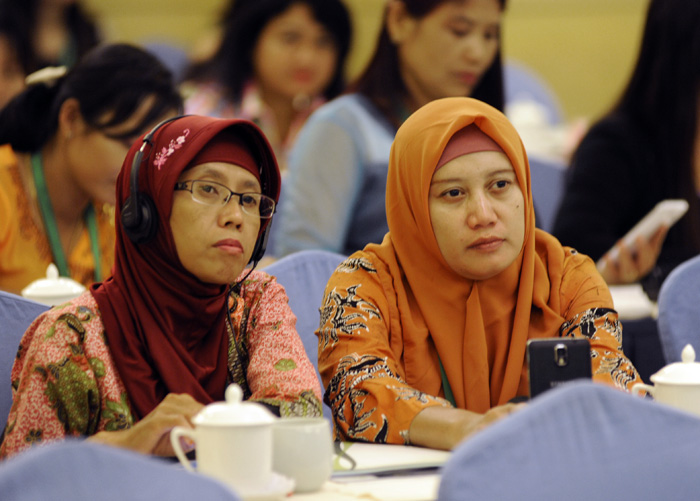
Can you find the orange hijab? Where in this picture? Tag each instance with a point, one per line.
(478, 329)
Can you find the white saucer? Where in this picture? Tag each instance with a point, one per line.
(278, 488)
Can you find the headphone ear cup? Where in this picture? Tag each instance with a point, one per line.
(139, 218)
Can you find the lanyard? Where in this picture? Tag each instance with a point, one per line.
(49, 219)
(447, 389)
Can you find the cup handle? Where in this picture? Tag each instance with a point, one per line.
(175, 435)
(639, 387)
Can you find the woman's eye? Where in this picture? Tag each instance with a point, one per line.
(501, 184)
(453, 193)
(326, 41)
(493, 34)
(207, 190)
(248, 200)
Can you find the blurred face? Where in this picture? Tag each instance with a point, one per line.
(447, 52)
(96, 155)
(11, 74)
(477, 210)
(215, 242)
(294, 55)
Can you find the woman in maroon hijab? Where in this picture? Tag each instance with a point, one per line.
(181, 317)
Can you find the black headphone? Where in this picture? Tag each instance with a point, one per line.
(139, 216)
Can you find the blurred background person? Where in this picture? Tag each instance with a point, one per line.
(64, 139)
(49, 32)
(277, 61)
(646, 149)
(426, 50)
(11, 72)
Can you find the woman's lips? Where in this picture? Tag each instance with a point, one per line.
(302, 76)
(467, 78)
(230, 246)
(486, 244)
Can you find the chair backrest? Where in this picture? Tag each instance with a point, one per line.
(304, 275)
(16, 313)
(548, 184)
(522, 83)
(82, 471)
(579, 442)
(679, 311)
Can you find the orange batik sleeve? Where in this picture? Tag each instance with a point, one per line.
(360, 359)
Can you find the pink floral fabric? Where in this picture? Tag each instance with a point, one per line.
(65, 382)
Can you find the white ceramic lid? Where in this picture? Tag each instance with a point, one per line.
(53, 287)
(234, 411)
(686, 372)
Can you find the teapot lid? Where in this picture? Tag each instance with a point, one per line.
(685, 372)
(234, 411)
(53, 287)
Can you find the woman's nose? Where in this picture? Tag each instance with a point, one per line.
(480, 212)
(474, 48)
(231, 212)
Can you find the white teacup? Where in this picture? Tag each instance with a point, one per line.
(233, 442)
(303, 451)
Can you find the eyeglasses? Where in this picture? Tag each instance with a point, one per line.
(212, 193)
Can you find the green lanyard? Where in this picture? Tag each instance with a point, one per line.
(446, 385)
(52, 228)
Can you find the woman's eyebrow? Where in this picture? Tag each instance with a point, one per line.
(251, 184)
(499, 172)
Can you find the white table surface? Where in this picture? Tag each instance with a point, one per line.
(421, 486)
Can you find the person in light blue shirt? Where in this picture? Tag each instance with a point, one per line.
(334, 194)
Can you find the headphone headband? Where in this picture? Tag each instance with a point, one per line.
(139, 216)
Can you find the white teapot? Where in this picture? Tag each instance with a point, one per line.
(234, 445)
(677, 384)
(53, 289)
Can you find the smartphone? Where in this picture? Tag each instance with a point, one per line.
(555, 361)
(665, 213)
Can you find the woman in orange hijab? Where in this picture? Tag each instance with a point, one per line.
(422, 338)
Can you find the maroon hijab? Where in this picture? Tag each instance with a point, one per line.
(165, 328)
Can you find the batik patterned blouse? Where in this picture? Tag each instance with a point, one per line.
(65, 382)
(361, 356)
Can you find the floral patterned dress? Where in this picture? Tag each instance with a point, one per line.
(65, 382)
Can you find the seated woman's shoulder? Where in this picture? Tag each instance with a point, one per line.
(83, 305)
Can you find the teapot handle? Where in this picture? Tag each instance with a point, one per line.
(175, 435)
(639, 387)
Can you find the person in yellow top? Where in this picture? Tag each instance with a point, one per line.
(63, 141)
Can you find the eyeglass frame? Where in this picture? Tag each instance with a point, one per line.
(183, 186)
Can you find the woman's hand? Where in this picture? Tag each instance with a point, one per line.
(632, 264)
(151, 435)
(445, 427)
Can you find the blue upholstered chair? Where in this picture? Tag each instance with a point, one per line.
(304, 276)
(580, 442)
(82, 471)
(522, 83)
(548, 185)
(16, 313)
(679, 310)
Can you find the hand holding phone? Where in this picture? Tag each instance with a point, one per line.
(665, 213)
